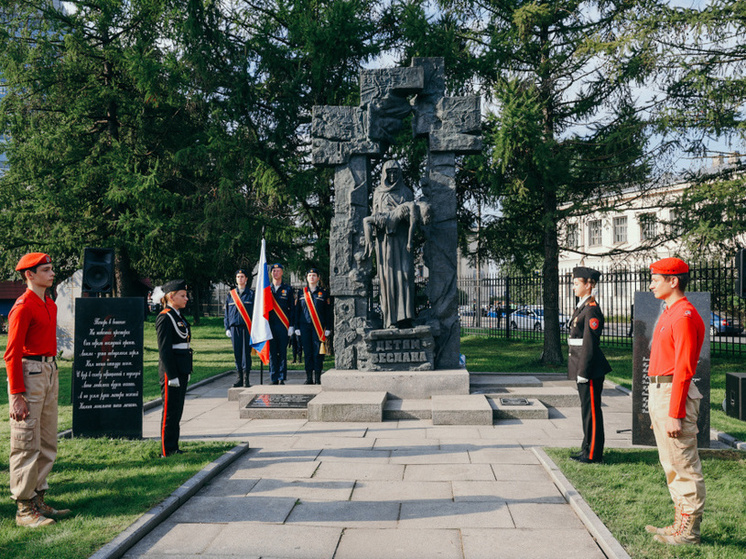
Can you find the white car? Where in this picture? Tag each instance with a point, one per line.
(532, 318)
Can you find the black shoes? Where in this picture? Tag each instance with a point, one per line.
(585, 460)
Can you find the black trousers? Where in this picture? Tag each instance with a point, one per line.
(173, 403)
(313, 359)
(278, 355)
(593, 419)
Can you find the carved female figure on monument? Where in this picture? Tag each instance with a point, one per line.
(392, 223)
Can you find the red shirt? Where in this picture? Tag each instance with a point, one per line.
(32, 330)
(677, 341)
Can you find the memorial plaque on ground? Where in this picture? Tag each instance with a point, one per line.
(280, 401)
(647, 311)
(108, 367)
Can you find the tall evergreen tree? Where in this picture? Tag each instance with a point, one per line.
(563, 130)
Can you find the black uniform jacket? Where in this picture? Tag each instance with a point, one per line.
(587, 360)
(323, 306)
(171, 329)
(285, 297)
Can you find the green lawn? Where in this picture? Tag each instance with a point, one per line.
(629, 491)
(499, 355)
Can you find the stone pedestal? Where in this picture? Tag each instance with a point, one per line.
(399, 384)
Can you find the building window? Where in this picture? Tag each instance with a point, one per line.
(573, 239)
(675, 224)
(594, 233)
(648, 229)
(620, 229)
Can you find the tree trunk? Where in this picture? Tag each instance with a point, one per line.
(127, 282)
(552, 348)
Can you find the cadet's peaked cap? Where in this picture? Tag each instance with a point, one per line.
(669, 267)
(174, 285)
(32, 259)
(276, 266)
(586, 273)
(244, 272)
(313, 271)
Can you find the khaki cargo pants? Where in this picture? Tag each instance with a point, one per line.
(679, 456)
(33, 441)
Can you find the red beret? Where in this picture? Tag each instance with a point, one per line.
(32, 259)
(669, 267)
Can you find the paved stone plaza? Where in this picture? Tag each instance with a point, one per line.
(398, 489)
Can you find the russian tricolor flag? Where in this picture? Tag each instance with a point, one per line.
(263, 304)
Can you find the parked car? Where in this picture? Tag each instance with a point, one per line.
(532, 318)
(721, 324)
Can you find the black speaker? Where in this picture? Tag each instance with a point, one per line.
(735, 395)
(741, 272)
(98, 270)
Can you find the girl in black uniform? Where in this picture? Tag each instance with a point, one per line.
(587, 364)
(313, 334)
(174, 363)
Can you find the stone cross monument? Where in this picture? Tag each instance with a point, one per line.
(348, 138)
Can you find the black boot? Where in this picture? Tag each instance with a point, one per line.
(309, 378)
(318, 377)
(246, 379)
(239, 380)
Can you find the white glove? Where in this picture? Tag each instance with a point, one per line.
(290, 331)
(174, 382)
(297, 332)
(327, 333)
(189, 378)
(228, 333)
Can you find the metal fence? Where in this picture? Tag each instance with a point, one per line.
(512, 306)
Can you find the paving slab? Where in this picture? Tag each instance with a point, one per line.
(449, 472)
(372, 490)
(200, 510)
(281, 541)
(437, 513)
(359, 471)
(365, 543)
(418, 456)
(534, 491)
(359, 514)
(347, 406)
(480, 543)
(306, 490)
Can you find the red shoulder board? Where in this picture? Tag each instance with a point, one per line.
(592, 304)
(164, 311)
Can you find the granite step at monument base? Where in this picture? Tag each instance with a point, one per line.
(396, 409)
(553, 390)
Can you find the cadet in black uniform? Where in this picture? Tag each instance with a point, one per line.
(587, 363)
(174, 363)
(281, 323)
(237, 302)
(313, 333)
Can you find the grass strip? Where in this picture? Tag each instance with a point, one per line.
(108, 483)
(629, 491)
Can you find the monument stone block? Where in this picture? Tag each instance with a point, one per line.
(647, 311)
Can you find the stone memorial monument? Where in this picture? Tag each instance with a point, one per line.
(348, 139)
(647, 311)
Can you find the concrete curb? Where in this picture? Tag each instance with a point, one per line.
(604, 538)
(724, 438)
(147, 522)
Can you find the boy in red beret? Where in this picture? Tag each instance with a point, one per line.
(674, 400)
(33, 388)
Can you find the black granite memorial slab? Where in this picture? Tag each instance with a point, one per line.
(647, 311)
(282, 401)
(515, 402)
(108, 367)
